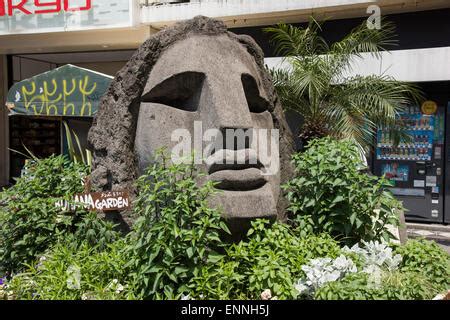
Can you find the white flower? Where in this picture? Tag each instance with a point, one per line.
(376, 253)
(355, 249)
(73, 278)
(302, 286)
(41, 263)
(266, 294)
(119, 288)
(322, 270)
(375, 275)
(344, 264)
(115, 286)
(187, 297)
(377, 257)
(88, 296)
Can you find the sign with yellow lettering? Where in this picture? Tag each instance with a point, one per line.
(65, 91)
(429, 107)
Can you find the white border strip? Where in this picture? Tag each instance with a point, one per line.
(416, 65)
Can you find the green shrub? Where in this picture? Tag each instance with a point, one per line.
(331, 195)
(176, 233)
(174, 249)
(29, 220)
(395, 285)
(219, 281)
(271, 258)
(421, 273)
(427, 259)
(68, 272)
(94, 231)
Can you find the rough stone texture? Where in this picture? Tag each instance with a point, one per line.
(113, 134)
(403, 236)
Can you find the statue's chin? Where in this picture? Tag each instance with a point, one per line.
(249, 204)
(239, 208)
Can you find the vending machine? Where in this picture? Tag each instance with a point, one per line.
(416, 165)
(447, 171)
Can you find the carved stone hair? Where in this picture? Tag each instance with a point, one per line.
(112, 135)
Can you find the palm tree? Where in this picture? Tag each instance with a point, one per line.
(317, 84)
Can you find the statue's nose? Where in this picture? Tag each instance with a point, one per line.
(228, 106)
(237, 138)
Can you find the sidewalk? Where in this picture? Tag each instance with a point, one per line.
(435, 232)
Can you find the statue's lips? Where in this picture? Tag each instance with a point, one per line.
(238, 179)
(236, 170)
(233, 160)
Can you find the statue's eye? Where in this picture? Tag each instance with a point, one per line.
(181, 91)
(256, 103)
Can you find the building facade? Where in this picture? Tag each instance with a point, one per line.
(101, 35)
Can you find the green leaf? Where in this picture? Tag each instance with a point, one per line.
(190, 252)
(214, 257)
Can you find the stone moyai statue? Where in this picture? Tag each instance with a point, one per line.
(196, 73)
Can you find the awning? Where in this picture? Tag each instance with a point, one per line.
(66, 91)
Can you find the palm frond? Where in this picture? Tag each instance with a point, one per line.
(317, 85)
(375, 101)
(290, 97)
(294, 41)
(381, 97)
(361, 40)
(346, 121)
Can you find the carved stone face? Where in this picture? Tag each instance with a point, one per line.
(213, 82)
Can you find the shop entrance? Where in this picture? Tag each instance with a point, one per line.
(51, 113)
(64, 88)
(40, 137)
